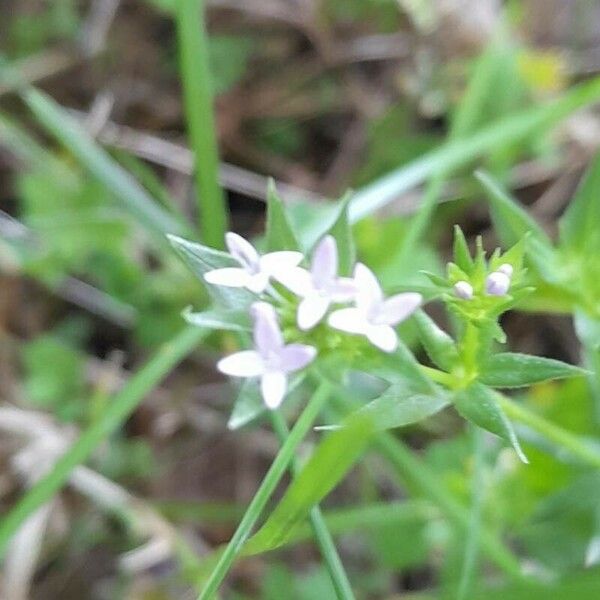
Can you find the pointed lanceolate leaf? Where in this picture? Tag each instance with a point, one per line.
(342, 232)
(201, 259)
(226, 319)
(332, 459)
(401, 404)
(478, 404)
(280, 235)
(440, 347)
(580, 220)
(511, 370)
(462, 256)
(248, 406)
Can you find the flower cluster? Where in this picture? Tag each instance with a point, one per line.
(497, 283)
(320, 291)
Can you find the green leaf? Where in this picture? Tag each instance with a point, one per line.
(511, 370)
(280, 235)
(228, 320)
(579, 223)
(440, 347)
(478, 404)
(118, 181)
(342, 232)
(401, 404)
(332, 459)
(462, 256)
(202, 259)
(250, 405)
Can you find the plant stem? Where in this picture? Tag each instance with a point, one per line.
(266, 489)
(198, 101)
(115, 413)
(552, 432)
(474, 533)
(338, 575)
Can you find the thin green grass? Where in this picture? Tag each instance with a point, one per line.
(113, 416)
(264, 492)
(198, 103)
(334, 565)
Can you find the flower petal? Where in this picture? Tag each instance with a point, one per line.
(273, 262)
(296, 356)
(242, 250)
(350, 320)
(342, 289)
(397, 308)
(247, 363)
(268, 338)
(368, 293)
(297, 280)
(324, 265)
(230, 277)
(383, 336)
(497, 283)
(258, 282)
(311, 310)
(273, 385)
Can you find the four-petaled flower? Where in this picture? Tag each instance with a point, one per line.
(374, 316)
(271, 360)
(320, 287)
(255, 270)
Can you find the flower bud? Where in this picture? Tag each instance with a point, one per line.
(506, 269)
(497, 283)
(463, 290)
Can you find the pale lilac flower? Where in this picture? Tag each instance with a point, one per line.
(255, 271)
(320, 287)
(497, 283)
(374, 316)
(271, 360)
(464, 290)
(506, 269)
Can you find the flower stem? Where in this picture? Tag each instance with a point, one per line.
(266, 489)
(551, 431)
(338, 575)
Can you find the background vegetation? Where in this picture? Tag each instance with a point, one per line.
(105, 118)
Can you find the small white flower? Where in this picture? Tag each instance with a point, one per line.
(255, 270)
(320, 287)
(497, 283)
(271, 360)
(506, 269)
(464, 290)
(374, 316)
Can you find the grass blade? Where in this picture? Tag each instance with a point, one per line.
(338, 575)
(121, 406)
(460, 152)
(264, 492)
(120, 183)
(198, 101)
